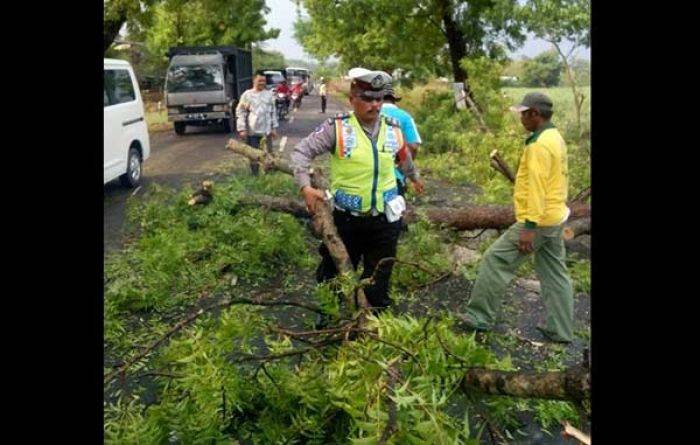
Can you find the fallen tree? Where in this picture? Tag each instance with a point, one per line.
(469, 218)
(572, 384)
(485, 216)
(577, 227)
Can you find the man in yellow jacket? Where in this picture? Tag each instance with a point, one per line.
(540, 211)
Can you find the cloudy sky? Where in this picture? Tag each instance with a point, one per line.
(283, 14)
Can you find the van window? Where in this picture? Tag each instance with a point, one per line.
(118, 87)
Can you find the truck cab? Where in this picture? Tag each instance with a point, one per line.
(203, 85)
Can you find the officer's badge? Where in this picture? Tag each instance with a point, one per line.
(377, 82)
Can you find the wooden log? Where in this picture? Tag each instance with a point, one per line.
(572, 384)
(471, 218)
(577, 227)
(295, 208)
(484, 216)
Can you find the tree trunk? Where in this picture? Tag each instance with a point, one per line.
(293, 207)
(322, 221)
(470, 218)
(455, 43)
(485, 216)
(458, 50)
(111, 29)
(578, 97)
(577, 227)
(572, 384)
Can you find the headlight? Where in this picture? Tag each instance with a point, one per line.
(173, 110)
(220, 108)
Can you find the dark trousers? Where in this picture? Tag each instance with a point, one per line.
(369, 238)
(254, 141)
(323, 104)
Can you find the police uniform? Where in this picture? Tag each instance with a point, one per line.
(363, 186)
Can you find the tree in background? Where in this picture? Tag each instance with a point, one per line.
(556, 21)
(267, 59)
(582, 71)
(160, 24)
(118, 12)
(432, 36)
(544, 70)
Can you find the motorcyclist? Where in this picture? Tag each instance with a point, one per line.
(283, 88)
(299, 90)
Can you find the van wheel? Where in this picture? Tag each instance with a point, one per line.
(180, 128)
(132, 177)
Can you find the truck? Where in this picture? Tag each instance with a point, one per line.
(204, 83)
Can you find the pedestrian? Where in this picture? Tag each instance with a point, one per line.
(540, 211)
(408, 127)
(322, 92)
(363, 146)
(257, 117)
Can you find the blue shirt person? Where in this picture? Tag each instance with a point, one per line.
(407, 124)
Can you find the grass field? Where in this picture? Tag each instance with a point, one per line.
(563, 98)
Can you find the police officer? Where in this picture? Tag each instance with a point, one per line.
(363, 146)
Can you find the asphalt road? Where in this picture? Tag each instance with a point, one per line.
(179, 160)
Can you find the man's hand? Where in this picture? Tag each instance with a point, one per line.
(312, 197)
(243, 134)
(418, 185)
(526, 241)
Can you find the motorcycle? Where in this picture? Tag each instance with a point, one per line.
(282, 105)
(296, 100)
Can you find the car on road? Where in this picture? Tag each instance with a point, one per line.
(126, 142)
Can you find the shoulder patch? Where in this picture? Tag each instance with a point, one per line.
(391, 121)
(342, 115)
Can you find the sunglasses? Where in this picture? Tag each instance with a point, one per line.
(367, 98)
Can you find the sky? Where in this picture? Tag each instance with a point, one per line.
(283, 13)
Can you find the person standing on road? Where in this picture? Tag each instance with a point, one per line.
(257, 117)
(322, 92)
(408, 127)
(540, 194)
(363, 146)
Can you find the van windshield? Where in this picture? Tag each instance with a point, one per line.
(195, 78)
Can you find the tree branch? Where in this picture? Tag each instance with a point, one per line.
(394, 377)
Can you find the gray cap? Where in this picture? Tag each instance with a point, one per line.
(538, 101)
(389, 92)
(374, 80)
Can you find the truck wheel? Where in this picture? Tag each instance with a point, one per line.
(180, 128)
(132, 177)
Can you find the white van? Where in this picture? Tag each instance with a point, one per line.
(126, 143)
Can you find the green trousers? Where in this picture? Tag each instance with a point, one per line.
(498, 268)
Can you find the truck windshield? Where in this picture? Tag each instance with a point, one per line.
(195, 78)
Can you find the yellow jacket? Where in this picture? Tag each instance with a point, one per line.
(541, 184)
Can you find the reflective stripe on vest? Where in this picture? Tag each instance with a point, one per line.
(360, 175)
